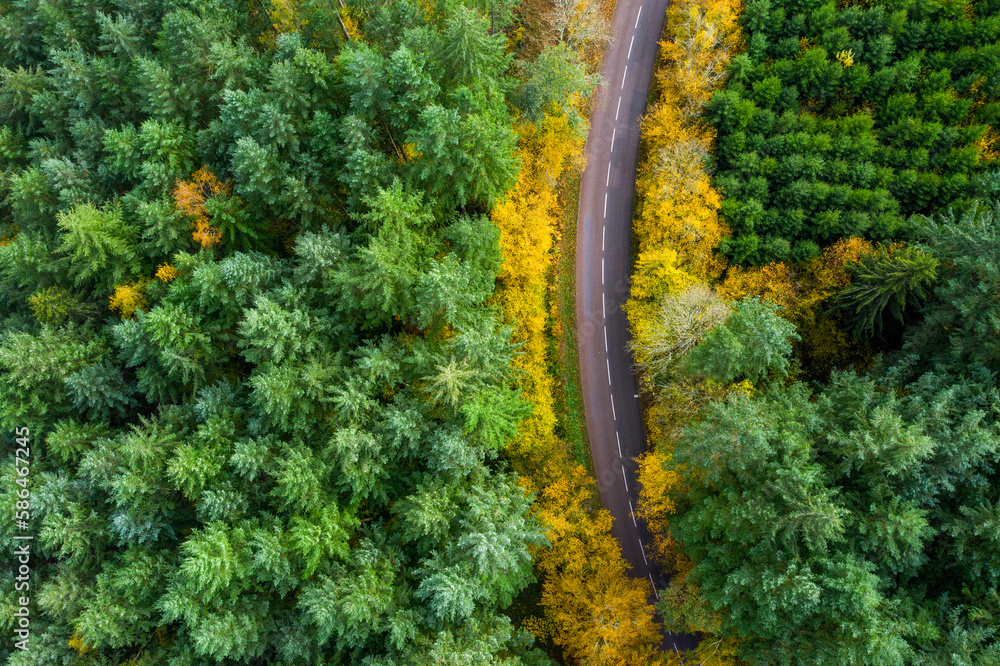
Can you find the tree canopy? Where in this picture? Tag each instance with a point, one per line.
(848, 119)
(853, 521)
(246, 310)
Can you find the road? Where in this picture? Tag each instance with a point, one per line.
(604, 228)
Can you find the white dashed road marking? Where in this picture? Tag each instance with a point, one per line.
(614, 415)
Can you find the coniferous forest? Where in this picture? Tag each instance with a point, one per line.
(247, 277)
(843, 121)
(283, 307)
(816, 327)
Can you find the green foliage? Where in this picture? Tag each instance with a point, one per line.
(754, 343)
(471, 52)
(263, 461)
(55, 306)
(960, 323)
(555, 78)
(814, 147)
(856, 521)
(99, 244)
(36, 369)
(887, 281)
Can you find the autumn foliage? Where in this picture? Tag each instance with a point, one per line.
(528, 219)
(166, 273)
(677, 225)
(798, 288)
(677, 229)
(595, 611)
(190, 197)
(660, 485)
(592, 609)
(801, 289)
(130, 297)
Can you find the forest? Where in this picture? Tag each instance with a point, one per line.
(814, 312)
(283, 308)
(274, 308)
(850, 119)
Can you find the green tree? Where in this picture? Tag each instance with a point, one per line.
(553, 80)
(754, 343)
(887, 281)
(100, 245)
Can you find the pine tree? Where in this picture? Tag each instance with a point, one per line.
(891, 281)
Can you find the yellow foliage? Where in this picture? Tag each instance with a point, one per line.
(528, 219)
(846, 57)
(677, 227)
(986, 147)
(602, 617)
(130, 297)
(774, 282)
(206, 234)
(702, 37)
(350, 24)
(656, 273)
(166, 273)
(679, 207)
(594, 611)
(659, 482)
(284, 16)
(190, 197)
(798, 289)
(410, 152)
(825, 346)
(829, 269)
(591, 607)
(677, 230)
(77, 644)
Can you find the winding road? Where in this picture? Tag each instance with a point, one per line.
(604, 227)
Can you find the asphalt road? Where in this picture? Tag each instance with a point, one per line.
(604, 228)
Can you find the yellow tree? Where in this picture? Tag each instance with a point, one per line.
(591, 607)
(528, 218)
(129, 298)
(190, 197)
(659, 483)
(704, 35)
(594, 610)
